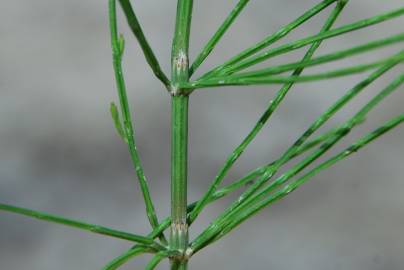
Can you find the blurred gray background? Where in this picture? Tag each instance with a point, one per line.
(60, 152)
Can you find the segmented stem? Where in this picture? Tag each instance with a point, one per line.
(179, 134)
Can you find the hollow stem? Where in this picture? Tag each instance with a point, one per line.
(179, 135)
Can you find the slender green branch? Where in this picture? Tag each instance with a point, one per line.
(134, 25)
(157, 232)
(300, 181)
(241, 81)
(274, 37)
(218, 35)
(122, 259)
(117, 49)
(306, 41)
(324, 58)
(261, 122)
(155, 261)
(79, 225)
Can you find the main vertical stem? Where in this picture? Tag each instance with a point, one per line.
(179, 154)
(179, 135)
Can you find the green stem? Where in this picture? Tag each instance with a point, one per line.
(218, 35)
(128, 130)
(180, 48)
(179, 135)
(179, 153)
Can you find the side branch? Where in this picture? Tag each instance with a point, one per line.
(122, 259)
(128, 130)
(284, 31)
(218, 35)
(238, 80)
(147, 50)
(79, 225)
(342, 54)
(239, 65)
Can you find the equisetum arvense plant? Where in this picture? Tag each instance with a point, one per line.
(269, 183)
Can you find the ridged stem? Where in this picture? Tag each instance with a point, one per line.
(179, 153)
(179, 135)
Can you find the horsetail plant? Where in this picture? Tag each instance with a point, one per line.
(266, 185)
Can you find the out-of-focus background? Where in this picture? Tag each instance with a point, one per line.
(59, 151)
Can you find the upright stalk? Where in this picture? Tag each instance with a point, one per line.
(179, 135)
(179, 154)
